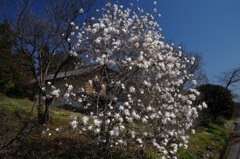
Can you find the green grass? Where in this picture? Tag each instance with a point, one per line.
(32, 143)
(207, 141)
(19, 127)
(26, 106)
(15, 104)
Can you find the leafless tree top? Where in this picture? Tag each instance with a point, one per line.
(230, 78)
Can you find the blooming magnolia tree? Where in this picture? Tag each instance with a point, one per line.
(141, 75)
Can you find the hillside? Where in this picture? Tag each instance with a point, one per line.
(22, 137)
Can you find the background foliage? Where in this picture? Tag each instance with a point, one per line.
(219, 100)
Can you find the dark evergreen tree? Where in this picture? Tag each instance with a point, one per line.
(6, 74)
(13, 80)
(219, 100)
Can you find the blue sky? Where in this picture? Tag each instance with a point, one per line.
(211, 27)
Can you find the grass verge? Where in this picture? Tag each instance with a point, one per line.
(208, 141)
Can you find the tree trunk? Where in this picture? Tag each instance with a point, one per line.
(46, 116)
(43, 117)
(40, 109)
(103, 147)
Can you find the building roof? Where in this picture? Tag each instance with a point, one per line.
(76, 72)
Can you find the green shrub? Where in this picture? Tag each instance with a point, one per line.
(219, 100)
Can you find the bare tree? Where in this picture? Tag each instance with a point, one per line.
(230, 78)
(40, 37)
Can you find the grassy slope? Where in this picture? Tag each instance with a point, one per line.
(207, 142)
(19, 127)
(32, 143)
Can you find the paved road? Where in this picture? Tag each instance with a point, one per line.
(234, 152)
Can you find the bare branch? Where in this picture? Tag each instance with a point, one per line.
(230, 78)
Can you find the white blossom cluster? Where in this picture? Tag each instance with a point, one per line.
(51, 91)
(145, 103)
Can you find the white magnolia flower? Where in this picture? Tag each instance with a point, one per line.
(193, 131)
(194, 82)
(111, 132)
(74, 124)
(132, 89)
(116, 116)
(204, 105)
(97, 130)
(81, 10)
(85, 120)
(139, 140)
(97, 122)
(56, 92)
